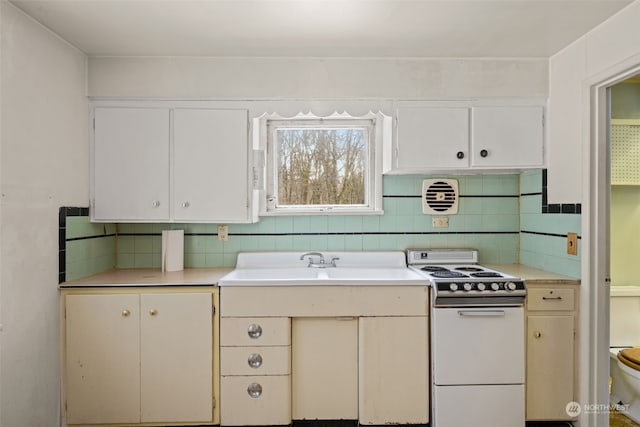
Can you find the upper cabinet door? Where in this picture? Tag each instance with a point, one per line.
(131, 164)
(507, 136)
(432, 138)
(210, 165)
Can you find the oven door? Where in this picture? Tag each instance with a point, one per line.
(478, 345)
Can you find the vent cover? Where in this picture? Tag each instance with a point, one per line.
(440, 196)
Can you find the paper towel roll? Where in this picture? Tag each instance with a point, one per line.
(172, 250)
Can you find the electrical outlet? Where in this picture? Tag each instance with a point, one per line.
(572, 243)
(440, 221)
(223, 233)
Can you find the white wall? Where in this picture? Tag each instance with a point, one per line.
(316, 77)
(607, 47)
(44, 165)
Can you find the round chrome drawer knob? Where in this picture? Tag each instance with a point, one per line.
(254, 331)
(254, 360)
(254, 390)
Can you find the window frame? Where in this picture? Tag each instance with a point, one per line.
(373, 168)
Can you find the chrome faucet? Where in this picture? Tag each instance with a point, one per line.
(321, 263)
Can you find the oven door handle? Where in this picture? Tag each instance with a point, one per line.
(481, 313)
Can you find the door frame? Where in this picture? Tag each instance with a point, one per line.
(595, 289)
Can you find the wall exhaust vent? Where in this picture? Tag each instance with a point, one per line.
(440, 196)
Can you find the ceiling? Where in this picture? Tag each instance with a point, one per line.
(321, 28)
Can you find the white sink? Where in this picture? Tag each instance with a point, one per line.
(357, 269)
(372, 274)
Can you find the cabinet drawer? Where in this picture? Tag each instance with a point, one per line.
(269, 405)
(255, 331)
(550, 299)
(255, 360)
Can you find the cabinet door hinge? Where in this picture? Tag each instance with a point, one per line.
(94, 123)
(214, 401)
(213, 310)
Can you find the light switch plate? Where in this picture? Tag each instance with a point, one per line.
(223, 233)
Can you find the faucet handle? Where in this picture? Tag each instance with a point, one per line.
(333, 261)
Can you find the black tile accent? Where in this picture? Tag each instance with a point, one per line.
(62, 261)
(564, 208)
(539, 233)
(555, 208)
(530, 194)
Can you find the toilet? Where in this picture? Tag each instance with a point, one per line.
(624, 361)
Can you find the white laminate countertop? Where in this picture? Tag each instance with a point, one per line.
(534, 275)
(150, 277)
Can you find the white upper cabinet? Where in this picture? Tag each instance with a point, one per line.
(507, 137)
(210, 160)
(167, 161)
(432, 137)
(131, 164)
(466, 135)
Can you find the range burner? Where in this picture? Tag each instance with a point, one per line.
(468, 268)
(486, 274)
(433, 268)
(447, 274)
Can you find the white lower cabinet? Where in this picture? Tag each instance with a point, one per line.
(324, 377)
(138, 358)
(393, 370)
(255, 364)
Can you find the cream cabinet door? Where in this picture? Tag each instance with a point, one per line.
(176, 357)
(550, 369)
(394, 370)
(210, 165)
(324, 368)
(130, 161)
(102, 359)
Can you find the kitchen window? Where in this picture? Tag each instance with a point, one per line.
(324, 165)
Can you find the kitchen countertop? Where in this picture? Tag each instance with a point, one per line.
(533, 275)
(150, 277)
(211, 276)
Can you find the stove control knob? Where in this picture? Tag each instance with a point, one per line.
(495, 286)
(453, 287)
(510, 286)
(467, 286)
(481, 286)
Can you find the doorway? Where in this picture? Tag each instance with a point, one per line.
(624, 238)
(596, 273)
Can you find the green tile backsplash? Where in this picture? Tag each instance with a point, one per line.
(499, 214)
(85, 248)
(488, 220)
(543, 235)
